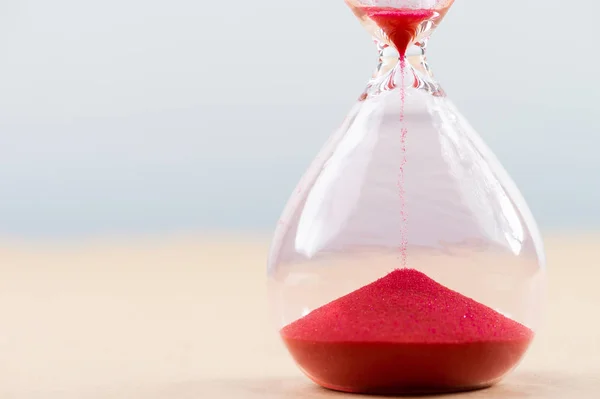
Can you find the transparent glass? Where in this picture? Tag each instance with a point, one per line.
(406, 260)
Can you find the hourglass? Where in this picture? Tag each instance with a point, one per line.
(406, 261)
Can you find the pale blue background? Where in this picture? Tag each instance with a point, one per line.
(161, 116)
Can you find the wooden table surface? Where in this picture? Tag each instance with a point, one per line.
(186, 318)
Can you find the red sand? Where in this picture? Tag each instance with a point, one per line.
(405, 333)
(400, 25)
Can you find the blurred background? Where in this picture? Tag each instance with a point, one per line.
(156, 117)
(170, 134)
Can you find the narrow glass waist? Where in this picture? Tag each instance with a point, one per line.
(412, 51)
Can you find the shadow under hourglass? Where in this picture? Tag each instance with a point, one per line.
(526, 385)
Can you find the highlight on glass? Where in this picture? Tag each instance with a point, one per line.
(406, 261)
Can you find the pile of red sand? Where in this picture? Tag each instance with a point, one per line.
(405, 333)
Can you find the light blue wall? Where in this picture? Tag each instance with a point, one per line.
(152, 116)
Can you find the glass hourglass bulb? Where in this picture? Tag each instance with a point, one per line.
(406, 260)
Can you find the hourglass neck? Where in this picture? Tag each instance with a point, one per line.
(389, 57)
(409, 69)
(407, 29)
